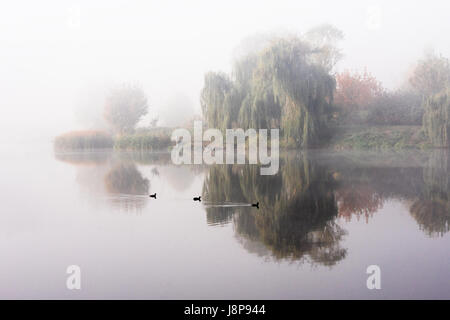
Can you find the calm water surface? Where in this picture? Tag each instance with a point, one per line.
(322, 220)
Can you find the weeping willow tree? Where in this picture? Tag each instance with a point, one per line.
(437, 118)
(302, 89)
(280, 86)
(219, 100)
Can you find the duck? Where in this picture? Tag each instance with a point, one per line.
(198, 198)
(256, 205)
(153, 195)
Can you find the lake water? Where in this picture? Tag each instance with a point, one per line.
(323, 219)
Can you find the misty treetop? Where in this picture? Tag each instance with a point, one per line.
(124, 107)
(281, 86)
(431, 75)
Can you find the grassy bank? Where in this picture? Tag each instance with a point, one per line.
(154, 139)
(379, 137)
(84, 140)
(343, 138)
(157, 139)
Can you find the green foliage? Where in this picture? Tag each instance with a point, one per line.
(396, 108)
(436, 120)
(278, 87)
(144, 140)
(216, 98)
(83, 140)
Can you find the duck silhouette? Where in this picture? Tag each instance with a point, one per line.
(256, 205)
(153, 195)
(198, 198)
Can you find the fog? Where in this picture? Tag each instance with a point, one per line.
(58, 58)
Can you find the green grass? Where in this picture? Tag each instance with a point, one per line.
(154, 139)
(379, 137)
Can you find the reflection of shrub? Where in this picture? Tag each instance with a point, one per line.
(127, 187)
(359, 201)
(88, 139)
(126, 179)
(146, 140)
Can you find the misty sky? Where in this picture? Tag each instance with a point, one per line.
(57, 57)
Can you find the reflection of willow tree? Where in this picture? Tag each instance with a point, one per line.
(222, 184)
(297, 208)
(124, 179)
(432, 210)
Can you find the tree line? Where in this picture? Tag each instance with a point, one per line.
(288, 82)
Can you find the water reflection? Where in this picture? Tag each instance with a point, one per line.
(300, 204)
(301, 207)
(432, 208)
(129, 189)
(297, 208)
(422, 182)
(118, 178)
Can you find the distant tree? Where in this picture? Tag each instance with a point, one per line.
(356, 90)
(431, 75)
(124, 107)
(324, 41)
